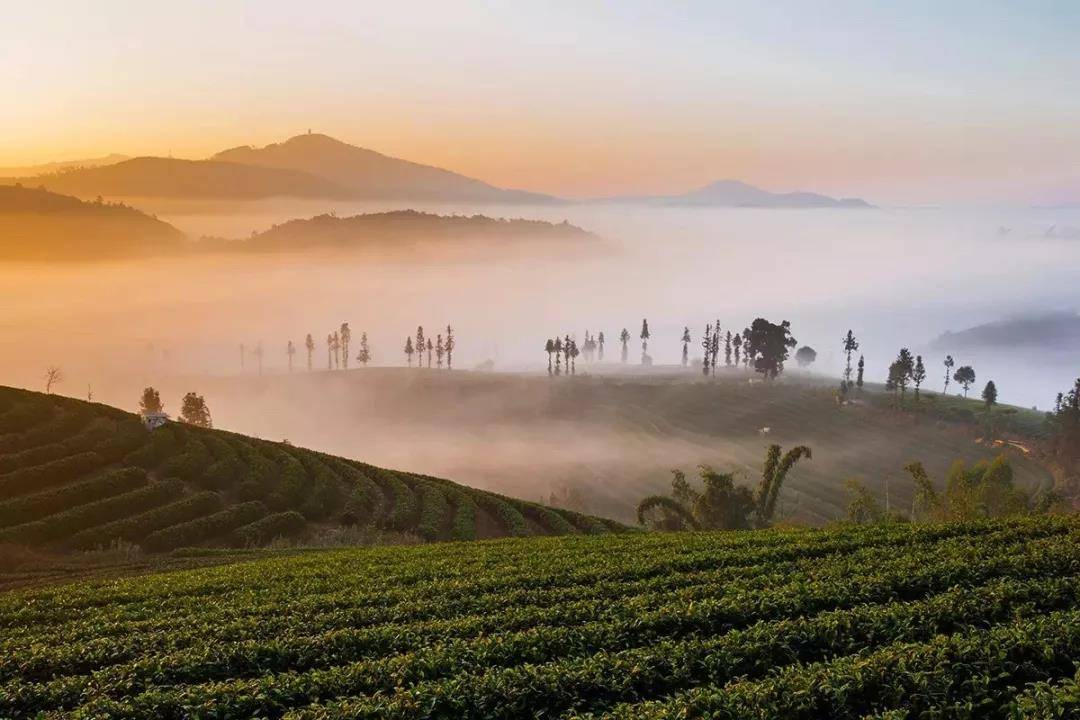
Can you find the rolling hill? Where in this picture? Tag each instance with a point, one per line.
(734, 193)
(888, 622)
(76, 475)
(1045, 332)
(609, 439)
(36, 224)
(406, 228)
(62, 166)
(368, 174)
(200, 179)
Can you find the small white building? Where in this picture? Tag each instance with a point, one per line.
(154, 420)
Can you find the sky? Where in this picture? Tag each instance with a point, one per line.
(912, 103)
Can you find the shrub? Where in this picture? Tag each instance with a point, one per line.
(434, 512)
(34, 507)
(268, 528)
(136, 527)
(464, 523)
(48, 475)
(548, 519)
(205, 528)
(509, 518)
(404, 508)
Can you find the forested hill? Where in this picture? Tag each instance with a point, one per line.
(406, 227)
(36, 224)
(76, 475)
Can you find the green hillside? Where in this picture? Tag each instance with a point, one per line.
(897, 621)
(76, 476)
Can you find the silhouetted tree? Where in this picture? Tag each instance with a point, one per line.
(150, 402)
(965, 376)
(558, 355)
(346, 338)
(1064, 426)
(600, 345)
(290, 350)
(749, 353)
(450, 345)
(727, 350)
(566, 353)
(573, 357)
(194, 411)
(53, 376)
(859, 377)
(644, 340)
(900, 374)
(918, 375)
(989, 395)
(769, 344)
(850, 346)
(714, 348)
(685, 346)
(364, 356)
(706, 346)
(736, 343)
(420, 346)
(949, 364)
(330, 352)
(409, 350)
(309, 343)
(440, 350)
(549, 347)
(805, 356)
(624, 337)
(430, 349)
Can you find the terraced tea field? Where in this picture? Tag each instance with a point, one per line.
(76, 475)
(964, 620)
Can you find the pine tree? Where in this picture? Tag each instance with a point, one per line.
(918, 375)
(440, 349)
(450, 345)
(624, 337)
(409, 350)
(706, 344)
(364, 356)
(727, 350)
(346, 338)
(644, 340)
(430, 349)
(600, 345)
(859, 377)
(685, 346)
(549, 347)
(558, 356)
(420, 346)
(715, 347)
(850, 346)
(309, 343)
(949, 365)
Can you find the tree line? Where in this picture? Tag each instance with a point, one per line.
(193, 407)
(439, 348)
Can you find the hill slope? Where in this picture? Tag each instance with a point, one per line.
(36, 224)
(369, 174)
(55, 167)
(609, 439)
(885, 622)
(202, 179)
(76, 475)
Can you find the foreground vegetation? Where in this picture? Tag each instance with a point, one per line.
(974, 619)
(77, 475)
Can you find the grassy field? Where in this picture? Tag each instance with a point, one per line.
(79, 476)
(897, 621)
(613, 438)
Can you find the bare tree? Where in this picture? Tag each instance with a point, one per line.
(53, 376)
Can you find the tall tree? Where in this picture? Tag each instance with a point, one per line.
(573, 357)
(290, 350)
(990, 395)
(346, 338)
(600, 345)
(904, 371)
(859, 377)
(330, 351)
(194, 411)
(558, 355)
(727, 350)
(364, 356)
(685, 346)
(949, 365)
(409, 350)
(450, 345)
(336, 342)
(644, 340)
(736, 342)
(53, 376)
(918, 375)
(749, 353)
(769, 346)
(624, 337)
(706, 346)
(714, 349)
(850, 346)
(150, 402)
(965, 376)
(440, 350)
(566, 353)
(430, 349)
(420, 346)
(309, 343)
(549, 347)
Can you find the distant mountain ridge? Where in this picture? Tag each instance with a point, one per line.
(63, 166)
(369, 174)
(1056, 330)
(735, 193)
